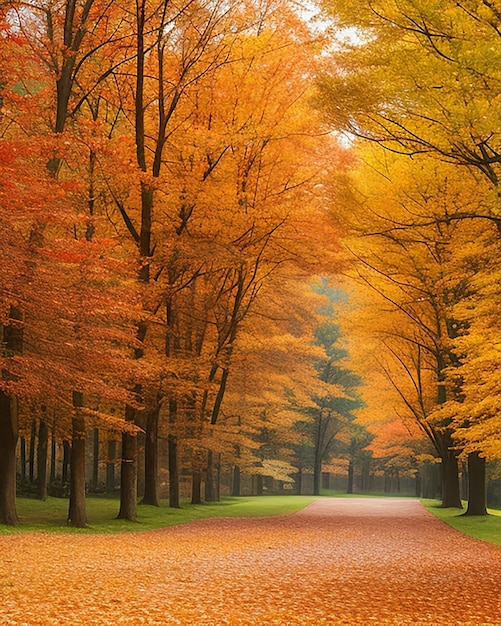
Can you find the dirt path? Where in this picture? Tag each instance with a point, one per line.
(343, 561)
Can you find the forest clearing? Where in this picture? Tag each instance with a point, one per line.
(337, 562)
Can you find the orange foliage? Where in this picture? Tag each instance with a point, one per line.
(334, 563)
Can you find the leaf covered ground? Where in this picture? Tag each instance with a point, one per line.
(339, 561)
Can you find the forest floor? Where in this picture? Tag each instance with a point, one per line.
(338, 561)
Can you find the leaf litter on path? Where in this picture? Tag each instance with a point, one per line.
(338, 562)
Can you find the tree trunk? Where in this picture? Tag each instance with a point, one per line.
(95, 459)
(31, 457)
(151, 459)
(42, 457)
(451, 497)
(259, 485)
(77, 515)
(53, 458)
(23, 458)
(236, 482)
(196, 488)
(210, 495)
(317, 462)
(66, 462)
(317, 473)
(351, 474)
(128, 472)
(326, 480)
(477, 494)
(173, 472)
(110, 466)
(217, 492)
(8, 443)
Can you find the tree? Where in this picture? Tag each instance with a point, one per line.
(333, 409)
(235, 187)
(406, 256)
(432, 77)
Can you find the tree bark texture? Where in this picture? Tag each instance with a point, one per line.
(477, 492)
(31, 455)
(210, 487)
(8, 442)
(77, 514)
(236, 482)
(42, 458)
(128, 478)
(95, 459)
(53, 458)
(196, 488)
(151, 459)
(22, 460)
(351, 475)
(172, 446)
(66, 462)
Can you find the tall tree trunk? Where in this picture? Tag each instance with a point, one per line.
(217, 482)
(95, 459)
(236, 482)
(53, 458)
(8, 443)
(42, 455)
(172, 444)
(351, 474)
(66, 462)
(151, 458)
(196, 488)
(451, 497)
(259, 485)
(77, 514)
(326, 480)
(31, 458)
(22, 454)
(477, 493)
(110, 466)
(317, 462)
(128, 472)
(210, 494)
(317, 472)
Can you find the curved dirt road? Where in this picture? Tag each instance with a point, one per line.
(339, 561)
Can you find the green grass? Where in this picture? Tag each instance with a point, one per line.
(487, 528)
(50, 515)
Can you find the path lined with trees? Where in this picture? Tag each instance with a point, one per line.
(339, 561)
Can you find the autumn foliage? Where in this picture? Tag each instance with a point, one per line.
(162, 198)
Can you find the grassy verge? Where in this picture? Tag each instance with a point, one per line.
(50, 515)
(487, 528)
